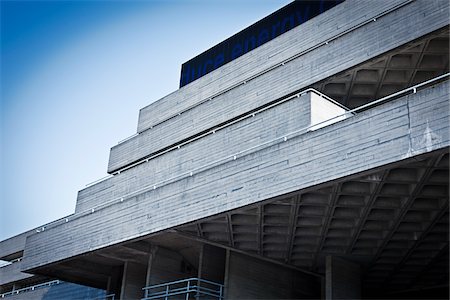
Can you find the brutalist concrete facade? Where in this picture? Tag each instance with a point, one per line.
(314, 166)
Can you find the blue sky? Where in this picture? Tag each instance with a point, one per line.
(74, 75)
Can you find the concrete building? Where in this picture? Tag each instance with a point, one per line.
(314, 166)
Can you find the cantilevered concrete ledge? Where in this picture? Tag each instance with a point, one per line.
(409, 126)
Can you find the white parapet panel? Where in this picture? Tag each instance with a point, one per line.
(325, 111)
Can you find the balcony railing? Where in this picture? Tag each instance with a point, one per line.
(44, 285)
(191, 288)
(30, 288)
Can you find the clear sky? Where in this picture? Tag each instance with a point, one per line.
(74, 75)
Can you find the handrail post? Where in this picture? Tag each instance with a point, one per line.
(187, 289)
(197, 294)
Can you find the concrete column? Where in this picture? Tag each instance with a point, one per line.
(133, 280)
(252, 278)
(212, 264)
(166, 265)
(115, 281)
(151, 257)
(342, 279)
(226, 279)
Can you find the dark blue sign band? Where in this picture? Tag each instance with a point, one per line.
(277, 23)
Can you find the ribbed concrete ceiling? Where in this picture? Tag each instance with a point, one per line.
(394, 71)
(393, 221)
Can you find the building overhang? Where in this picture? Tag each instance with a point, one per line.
(393, 132)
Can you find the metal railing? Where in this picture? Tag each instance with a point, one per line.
(191, 288)
(30, 288)
(244, 152)
(4, 263)
(48, 284)
(106, 297)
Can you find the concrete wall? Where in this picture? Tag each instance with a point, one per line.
(250, 278)
(133, 280)
(388, 32)
(282, 119)
(13, 246)
(168, 265)
(325, 112)
(414, 124)
(64, 290)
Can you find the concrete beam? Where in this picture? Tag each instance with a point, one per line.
(219, 245)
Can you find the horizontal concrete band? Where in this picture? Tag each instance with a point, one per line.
(297, 74)
(414, 124)
(13, 245)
